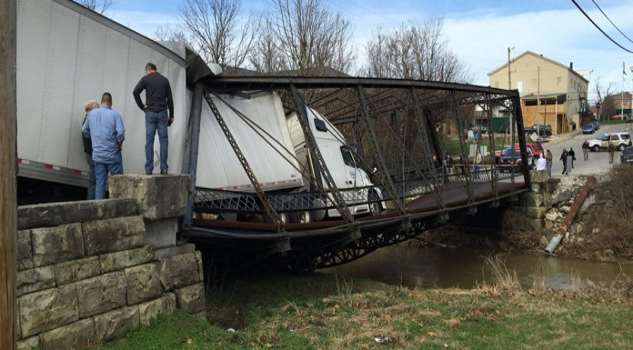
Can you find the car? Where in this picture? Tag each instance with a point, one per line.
(534, 147)
(627, 156)
(620, 139)
(589, 128)
(510, 159)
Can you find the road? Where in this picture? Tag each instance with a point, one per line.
(598, 162)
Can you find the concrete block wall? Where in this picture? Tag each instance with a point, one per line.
(89, 271)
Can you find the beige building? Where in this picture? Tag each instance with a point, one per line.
(551, 93)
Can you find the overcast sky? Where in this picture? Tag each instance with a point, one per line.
(477, 31)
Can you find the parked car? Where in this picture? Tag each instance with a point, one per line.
(620, 139)
(510, 159)
(534, 147)
(627, 156)
(589, 128)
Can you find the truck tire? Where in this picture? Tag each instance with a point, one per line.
(622, 147)
(375, 205)
(595, 148)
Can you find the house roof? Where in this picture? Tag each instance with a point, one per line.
(541, 57)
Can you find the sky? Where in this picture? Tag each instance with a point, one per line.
(477, 31)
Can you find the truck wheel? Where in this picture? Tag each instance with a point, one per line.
(622, 147)
(375, 207)
(595, 149)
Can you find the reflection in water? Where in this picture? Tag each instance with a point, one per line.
(465, 268)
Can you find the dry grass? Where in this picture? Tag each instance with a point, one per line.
(611, 219)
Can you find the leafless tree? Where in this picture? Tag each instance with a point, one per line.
(413, 52)
(218, 31)
(100, 6)
(170, 33)
(306, 36)
(605, 99)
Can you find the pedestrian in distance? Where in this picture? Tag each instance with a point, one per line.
(585, 150)
(611, 149)
(87, 143)
(105, 128)
(563, 158)
(158, 102)
(549, 159)
(572, 156)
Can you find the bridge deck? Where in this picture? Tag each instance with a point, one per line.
(453, 196)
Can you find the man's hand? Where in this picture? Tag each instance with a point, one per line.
(170, 121)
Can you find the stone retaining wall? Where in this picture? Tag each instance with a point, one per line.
(88, 273)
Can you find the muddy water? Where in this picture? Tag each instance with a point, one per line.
(466, 268)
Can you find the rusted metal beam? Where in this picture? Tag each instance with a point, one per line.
(320, 167)
(385, 176)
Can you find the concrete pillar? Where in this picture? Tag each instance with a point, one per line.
(162, 201)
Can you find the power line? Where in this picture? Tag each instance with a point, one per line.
(610, 21)
(600, 29)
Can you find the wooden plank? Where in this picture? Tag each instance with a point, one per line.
(8, 163)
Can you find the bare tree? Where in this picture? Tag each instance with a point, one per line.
(605, 100)
(305, 36)
(218, 32)
(100, 6)
(169, 33)
(413, 52)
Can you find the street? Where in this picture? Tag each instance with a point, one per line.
(598, 162)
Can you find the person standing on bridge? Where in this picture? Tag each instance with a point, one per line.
(611, 149)
(549, 158)
(563, 158)
(105, 128)
(572, 156)
(585, 150)
(158, 100)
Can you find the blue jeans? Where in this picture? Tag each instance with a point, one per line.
(101, 174)
(155, 121)
(92, 180)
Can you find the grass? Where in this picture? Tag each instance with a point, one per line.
(451, 144)
(328, 312)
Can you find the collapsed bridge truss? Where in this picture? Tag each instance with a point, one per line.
(410, 136)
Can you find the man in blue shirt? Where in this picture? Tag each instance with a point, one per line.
(105, 128)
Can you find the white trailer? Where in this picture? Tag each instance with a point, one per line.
(67, 55)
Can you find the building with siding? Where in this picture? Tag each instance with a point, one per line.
(551, 93)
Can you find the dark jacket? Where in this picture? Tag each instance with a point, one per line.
(563, 156)
(86, 141)
(157, 94)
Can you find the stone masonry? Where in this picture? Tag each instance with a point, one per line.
(88, 272)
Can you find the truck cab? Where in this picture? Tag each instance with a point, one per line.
(341, 161)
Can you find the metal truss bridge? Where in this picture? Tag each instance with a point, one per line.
(411, 133)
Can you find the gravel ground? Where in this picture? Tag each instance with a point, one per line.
(598, 162)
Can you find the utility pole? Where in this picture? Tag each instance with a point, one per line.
(8, 162)
(623, 87)
(510, 125)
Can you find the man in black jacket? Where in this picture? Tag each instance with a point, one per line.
(158, 101)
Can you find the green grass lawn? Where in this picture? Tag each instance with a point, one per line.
(324, 312)
(452, 146)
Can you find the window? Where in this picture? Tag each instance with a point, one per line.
(320, 125)
(348, 158)
(625, 136)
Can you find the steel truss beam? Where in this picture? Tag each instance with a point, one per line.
(284, 82)
(384, 174)
(320, 167)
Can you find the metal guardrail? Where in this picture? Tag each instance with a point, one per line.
(208, 200)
